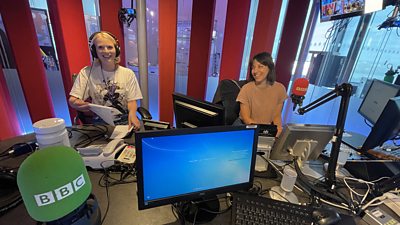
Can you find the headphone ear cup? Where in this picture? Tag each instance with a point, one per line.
(117, 50)
(92, 47)
(93, 51)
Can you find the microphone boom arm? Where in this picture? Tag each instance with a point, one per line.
(344, 90)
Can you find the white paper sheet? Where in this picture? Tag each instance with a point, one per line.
(106, 113)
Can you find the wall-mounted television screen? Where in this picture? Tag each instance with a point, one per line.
(339, 9)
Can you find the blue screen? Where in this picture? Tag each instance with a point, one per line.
(182, 164)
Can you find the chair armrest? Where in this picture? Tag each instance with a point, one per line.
(144, 113)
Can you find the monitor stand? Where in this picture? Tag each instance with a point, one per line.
(192, 211)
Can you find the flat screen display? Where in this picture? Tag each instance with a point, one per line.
(181, 164)
(339, 9)
(191, 113)
(376, 98)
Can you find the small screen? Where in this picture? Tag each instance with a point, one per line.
(339, 9)
(376, 98)
(191, 113)
(176, 163)
(386, 127)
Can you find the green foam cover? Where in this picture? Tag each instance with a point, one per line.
(43, 173)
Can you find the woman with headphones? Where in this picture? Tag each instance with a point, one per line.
(105, 82)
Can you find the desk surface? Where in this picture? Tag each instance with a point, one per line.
(123, 208)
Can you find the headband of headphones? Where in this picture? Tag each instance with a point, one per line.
(93, 47)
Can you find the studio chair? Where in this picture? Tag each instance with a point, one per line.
(225, 95)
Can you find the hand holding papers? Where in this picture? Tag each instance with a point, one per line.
(105, 112)
(121, 131)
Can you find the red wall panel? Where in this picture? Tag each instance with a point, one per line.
(168, 11)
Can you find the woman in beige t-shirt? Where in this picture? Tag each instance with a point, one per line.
(261, 100)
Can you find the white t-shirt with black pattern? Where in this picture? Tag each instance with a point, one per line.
(120, 85)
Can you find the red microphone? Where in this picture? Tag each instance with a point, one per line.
(299, 89)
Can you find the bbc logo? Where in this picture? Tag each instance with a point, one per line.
(60, 193)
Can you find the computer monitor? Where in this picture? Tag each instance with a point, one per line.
(340, 9)
(190, 112)
(185, 164)
(155, 125)
(376, 98)
(386, 127)
(303, 140)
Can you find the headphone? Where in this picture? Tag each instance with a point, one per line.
(92, 46)
(9, 193)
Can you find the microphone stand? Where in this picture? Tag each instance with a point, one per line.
(344, 90)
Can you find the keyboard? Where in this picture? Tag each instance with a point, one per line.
(257, 210)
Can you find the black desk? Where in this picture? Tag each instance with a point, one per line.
(123, 209)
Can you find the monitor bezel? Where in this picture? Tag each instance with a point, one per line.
(193, 195)
(387, 84)
(218, 109)
(278, 151)
(341, 16)
(151, 123)
(380, 130)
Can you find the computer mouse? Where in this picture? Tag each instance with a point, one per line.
(324, 216)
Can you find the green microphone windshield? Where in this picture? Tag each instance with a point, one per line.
(53, 182)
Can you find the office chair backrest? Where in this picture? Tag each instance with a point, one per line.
(225, 95)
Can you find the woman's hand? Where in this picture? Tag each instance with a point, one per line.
(133, 121)
(78, 104)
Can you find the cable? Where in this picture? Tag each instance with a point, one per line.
(304, 180)
(333, 204)
(380, 198)
(107, 195)
(89, 139)
(277, 170)
(280, 195)
(364, 196)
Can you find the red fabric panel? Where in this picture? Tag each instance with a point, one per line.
(73, 53)
(109, 21)
(168, 11)
(18, 21)
(8, 118)
(237, 16)
(200, 44)
(265, 26)
(290, 39)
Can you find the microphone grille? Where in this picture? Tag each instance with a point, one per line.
(300, 87)
(53, 182)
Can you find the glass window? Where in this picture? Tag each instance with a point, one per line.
(249, 39)
(350, 50)
(131, 50)
(380, 50)
(216, 48)
(184, 25)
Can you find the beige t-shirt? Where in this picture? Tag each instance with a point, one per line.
(262, 102)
